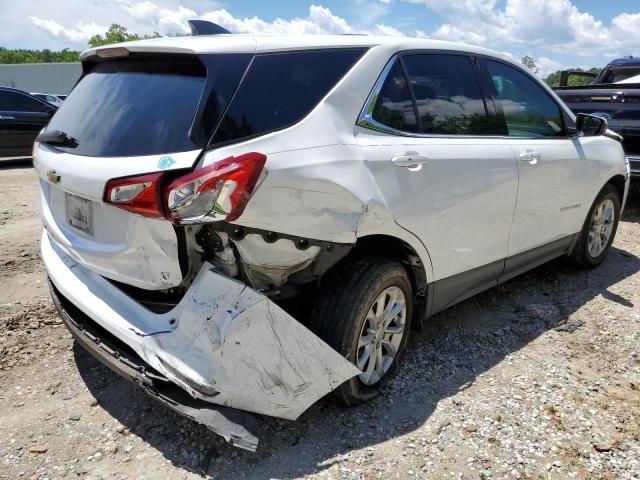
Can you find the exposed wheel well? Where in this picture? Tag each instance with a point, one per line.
(392, 247)
(618, 182)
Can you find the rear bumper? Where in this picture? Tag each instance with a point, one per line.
(223, 343)
(237, 427)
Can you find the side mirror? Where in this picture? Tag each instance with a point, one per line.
(591, 125)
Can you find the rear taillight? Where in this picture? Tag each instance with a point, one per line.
(217, 192)
(136, 194)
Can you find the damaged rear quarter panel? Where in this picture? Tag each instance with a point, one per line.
(321, 193)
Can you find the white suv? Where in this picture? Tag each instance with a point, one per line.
(247, 223)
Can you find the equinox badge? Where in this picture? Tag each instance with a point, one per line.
(53, 176)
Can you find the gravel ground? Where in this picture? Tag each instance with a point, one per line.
(539, 378)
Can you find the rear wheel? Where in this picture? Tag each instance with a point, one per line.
(364, 312)
(599, 230)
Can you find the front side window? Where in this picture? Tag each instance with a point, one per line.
(528, 109)
(17, 102)
(447, 94)
(279, 89)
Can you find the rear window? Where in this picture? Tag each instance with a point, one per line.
(146, 106)
(618, 74)
(280, 89)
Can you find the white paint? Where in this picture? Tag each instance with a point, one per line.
(327, 180)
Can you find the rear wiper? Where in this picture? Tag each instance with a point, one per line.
(56, 137)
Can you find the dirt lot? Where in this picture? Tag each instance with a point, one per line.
(537, 379)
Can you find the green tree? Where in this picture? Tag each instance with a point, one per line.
(553, 79)
(38, 56)
(530, 62)
(116, 34)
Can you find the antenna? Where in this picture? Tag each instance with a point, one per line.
(203, 27)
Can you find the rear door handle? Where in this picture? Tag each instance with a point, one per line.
(531, 157)
(7, 117)
(410, 160)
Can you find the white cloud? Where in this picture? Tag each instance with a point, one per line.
(547, 66)
(147, 16)
(555, 25)
(163, 20)
(81, 32)
(320, 20)
(547, 29)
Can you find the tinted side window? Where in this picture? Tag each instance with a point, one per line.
(447, 94)
(394, 106)
(279, 89)
(528, 109)
(16, 102)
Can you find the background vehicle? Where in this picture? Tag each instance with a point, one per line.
(375, 180)
(613, 95)
(22, 116)
(47, 97)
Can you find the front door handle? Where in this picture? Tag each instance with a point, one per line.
(410, 160)
(530, 156)
(7, 117)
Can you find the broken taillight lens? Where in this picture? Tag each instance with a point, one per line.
(139, 194)
(216, 192)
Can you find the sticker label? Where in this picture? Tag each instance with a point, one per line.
(165, 162)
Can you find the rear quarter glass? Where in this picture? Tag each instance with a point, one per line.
(279, 89)
(149, 105)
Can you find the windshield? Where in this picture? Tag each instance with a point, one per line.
(146, 106)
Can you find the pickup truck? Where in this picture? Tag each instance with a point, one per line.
(613, 94)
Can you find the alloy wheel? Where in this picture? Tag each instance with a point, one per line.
(601, 227)
(381, 335)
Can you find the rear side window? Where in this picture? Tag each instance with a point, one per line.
(394, 107)
(447, 94)
(17, 102)
(528, 109)
(279, 89)
(146, 106)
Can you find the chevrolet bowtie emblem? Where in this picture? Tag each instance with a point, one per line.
(53, 176)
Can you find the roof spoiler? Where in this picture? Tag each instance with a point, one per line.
(202, 27)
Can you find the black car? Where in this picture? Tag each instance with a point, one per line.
(618, 103)
(22, 116)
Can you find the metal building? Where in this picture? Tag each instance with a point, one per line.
(56, 78)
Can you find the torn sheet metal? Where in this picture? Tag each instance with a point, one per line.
(235, 426)
(269, 265)
(235, 347)
(224, 343)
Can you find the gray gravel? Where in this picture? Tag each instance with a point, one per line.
(538, 379)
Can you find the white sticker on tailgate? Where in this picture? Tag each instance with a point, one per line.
(79, 212)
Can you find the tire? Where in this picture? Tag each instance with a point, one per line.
(586, 255)
(345, 304)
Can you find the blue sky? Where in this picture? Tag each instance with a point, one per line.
(559, 33)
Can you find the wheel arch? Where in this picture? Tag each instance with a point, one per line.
(392, 247)
(619, 182)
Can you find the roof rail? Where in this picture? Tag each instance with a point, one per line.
(203, 27)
